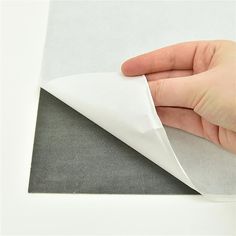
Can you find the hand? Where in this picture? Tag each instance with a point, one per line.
(193, 86)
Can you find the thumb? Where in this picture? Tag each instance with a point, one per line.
(178, 92)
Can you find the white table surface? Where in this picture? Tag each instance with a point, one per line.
(24, 28)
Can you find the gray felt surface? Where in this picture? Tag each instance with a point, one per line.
(73, 155)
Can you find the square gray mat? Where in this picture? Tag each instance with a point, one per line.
(74, 155)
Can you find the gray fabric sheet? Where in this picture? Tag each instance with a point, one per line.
(73, 155)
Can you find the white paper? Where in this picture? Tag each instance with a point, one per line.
(81, 41)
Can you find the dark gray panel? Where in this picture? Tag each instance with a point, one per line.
(73, 155)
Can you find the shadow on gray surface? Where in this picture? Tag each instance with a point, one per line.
(74, 155)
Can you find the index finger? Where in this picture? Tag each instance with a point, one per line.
(175, 57)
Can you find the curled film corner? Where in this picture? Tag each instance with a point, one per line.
(125, 109)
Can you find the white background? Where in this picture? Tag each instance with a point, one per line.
(24, 28)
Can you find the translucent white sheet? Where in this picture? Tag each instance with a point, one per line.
(95, 37)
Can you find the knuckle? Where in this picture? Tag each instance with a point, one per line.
(158, 91)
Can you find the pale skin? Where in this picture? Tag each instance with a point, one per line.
(193, 86)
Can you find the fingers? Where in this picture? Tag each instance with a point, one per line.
(168, 74)
(181, 92)
(189, 121)
(180, 118)
(175, 57)
(227, 139)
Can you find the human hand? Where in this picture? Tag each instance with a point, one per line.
(193, 86)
